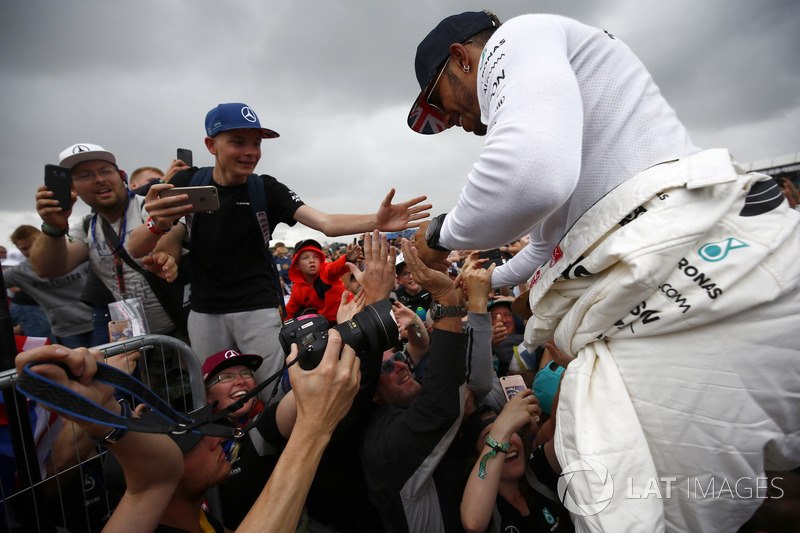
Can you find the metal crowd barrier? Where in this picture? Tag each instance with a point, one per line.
(57, 483)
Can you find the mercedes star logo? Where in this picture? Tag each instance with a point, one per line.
(248, 114)
(80, 148)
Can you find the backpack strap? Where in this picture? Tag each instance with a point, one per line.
(86, 221)
(257, 195)
(258, 203)
(202, 177)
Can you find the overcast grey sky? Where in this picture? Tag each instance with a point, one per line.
(336, 80)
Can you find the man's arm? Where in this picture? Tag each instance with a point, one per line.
(323, 396)
(479, 350)
(152, 463)
(390, 217)
(531, 158)
(52, 257)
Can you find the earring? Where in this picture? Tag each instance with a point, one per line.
(465, 68)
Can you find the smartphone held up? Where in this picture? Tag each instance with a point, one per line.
(512, 385)
(185, 155)
(58, 180)
(203, 199)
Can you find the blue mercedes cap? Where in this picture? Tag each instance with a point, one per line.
(235, 116)
(431, 53)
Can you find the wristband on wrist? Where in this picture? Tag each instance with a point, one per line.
(51, 231)
(116, 433)
(495, 447)
(155, 229)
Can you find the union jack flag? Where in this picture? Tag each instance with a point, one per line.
(423, 118)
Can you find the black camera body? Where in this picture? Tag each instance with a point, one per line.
(372, 330)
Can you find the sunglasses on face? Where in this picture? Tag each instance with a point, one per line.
(387, 367)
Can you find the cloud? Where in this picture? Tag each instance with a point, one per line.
(336, 80)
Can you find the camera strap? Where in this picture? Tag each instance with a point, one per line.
(65, 400)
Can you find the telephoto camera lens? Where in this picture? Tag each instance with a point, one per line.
(372, 330)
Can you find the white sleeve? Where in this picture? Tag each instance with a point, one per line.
(521, 267)
(530, 163)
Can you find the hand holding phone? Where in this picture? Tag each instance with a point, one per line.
(58, 180)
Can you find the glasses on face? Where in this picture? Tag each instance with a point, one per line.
(387, 367)
(437, 105)
(405, 274)
(227, 377)
(105, 172)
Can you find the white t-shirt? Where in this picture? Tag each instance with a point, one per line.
(571, 113)
(101, 260)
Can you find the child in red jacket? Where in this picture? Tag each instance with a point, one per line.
(317, 285)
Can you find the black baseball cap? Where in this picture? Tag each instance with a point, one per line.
(431, 53)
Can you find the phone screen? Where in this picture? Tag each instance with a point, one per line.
(185, 155)
(512, 385)
(59, 180)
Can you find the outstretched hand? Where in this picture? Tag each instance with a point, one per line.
(438, 283)
(349, 307)
(477, 282)
(377, 279)
(162, 265)
(397, 217)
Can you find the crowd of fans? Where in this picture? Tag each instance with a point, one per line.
(417, 437)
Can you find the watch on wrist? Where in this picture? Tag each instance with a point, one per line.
(440, 311)
(433, 231)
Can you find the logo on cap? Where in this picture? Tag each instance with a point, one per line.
(80, 148)
(249, 115)
(231, 353)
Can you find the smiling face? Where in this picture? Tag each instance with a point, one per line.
(237, 152)
(100, 185)
(228, 392)
(406, 279)
(399, 388)
(514, 460)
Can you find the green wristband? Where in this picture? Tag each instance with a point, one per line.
(496, 447)
(50, 231)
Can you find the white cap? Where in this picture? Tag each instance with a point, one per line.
(78, 153)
